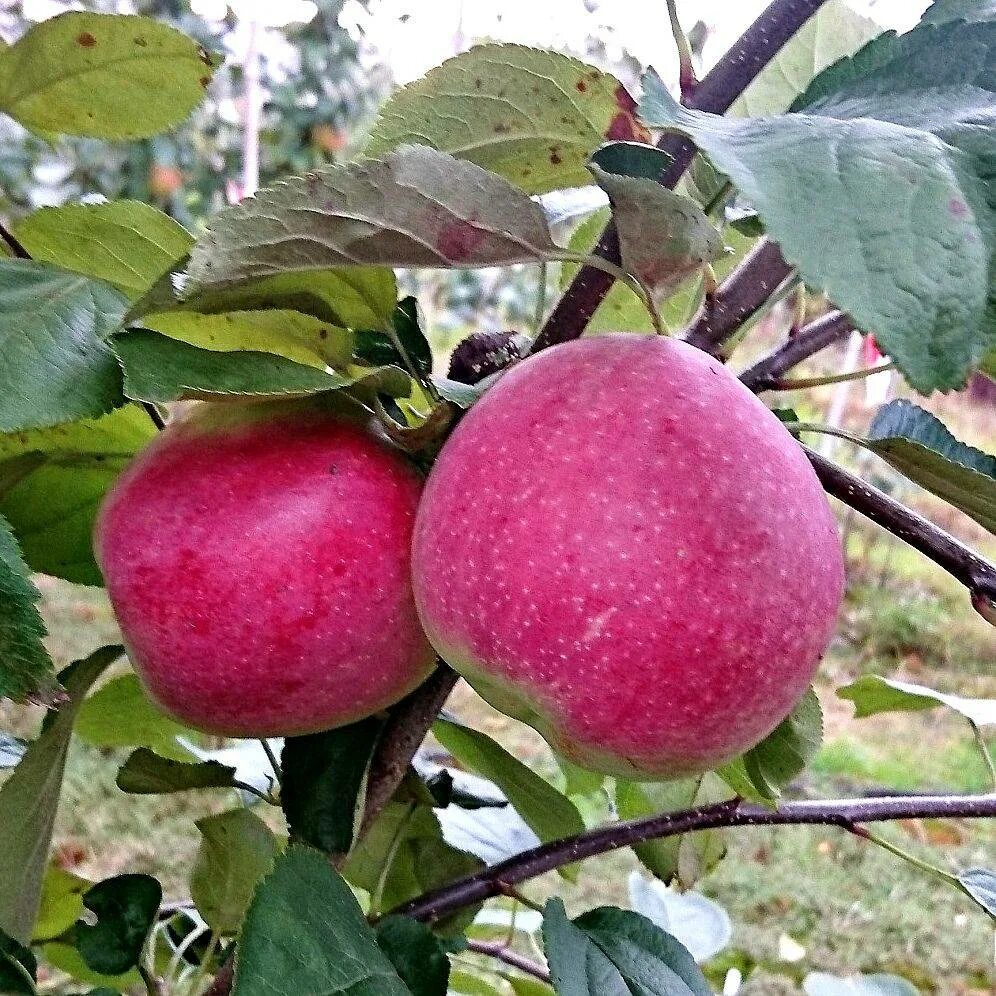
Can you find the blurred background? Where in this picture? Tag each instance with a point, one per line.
(300, 87)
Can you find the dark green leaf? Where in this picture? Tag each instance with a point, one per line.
(66, 471)
(55, 363)
(324, 780)
(305, 933)
(549, 813)
(25, 667)
(18, 967)
(146, 773)
(953, 10)
(462, 395)
(29, 799)
(762, 773)
(416, 207)
(105, 75)
(126, 908)
(416, 953)
(872, 694)
(127, 243)
(66, 958)
(876, 189)
(120, 714)
(980, 884)
(920, 446)
(612, 952)
(160, 369)
(408, 327)
(237, 850)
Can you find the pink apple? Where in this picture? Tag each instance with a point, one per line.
(621, 546)
(258, 560)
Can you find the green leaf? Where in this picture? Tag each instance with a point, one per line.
(549, 813)
(919, 445)
(524, 986)
(763, 771)
(834, 31)
(25, 667)
(408, 322)
(876, 189)
(104, 75)
(466, 984)
(305, 933)
(160, 369)
(529, 115)
(416, 953)
(55, 364)
(609, 950)
(664, 237)
(18, 967)
(403, 855)
(120, 714)
(29, 799)
(684, 858)
(980, 884)
(966, 10)
(61, 903)
(237, 849)
(146, 773)
(824, 984)
(417, 207)
(298, 337)
(127, 243)
(872, 694)
(126, 908)
(579, 781)
(358, 297)
(56, 479)
(324, 783)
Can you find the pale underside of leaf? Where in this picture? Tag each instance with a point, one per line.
(418, 207)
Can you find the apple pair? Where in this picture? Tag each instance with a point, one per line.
(619, 545)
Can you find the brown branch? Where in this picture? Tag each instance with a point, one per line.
(767, 373)
(739, 296)
(958, 560)
(847, 814)
(13, 244)
(724, 83)
(495, 949)
(407, 724)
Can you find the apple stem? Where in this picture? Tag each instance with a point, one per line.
(716, 92)
(843, 813)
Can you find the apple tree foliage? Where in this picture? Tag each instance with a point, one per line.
(869, 158)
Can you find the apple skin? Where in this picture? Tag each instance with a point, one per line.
(258, 560)
(622, 547)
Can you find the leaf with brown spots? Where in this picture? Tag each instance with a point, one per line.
(529, 115)
(109, 76)
(417, 207)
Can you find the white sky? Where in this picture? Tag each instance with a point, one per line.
(414, 35)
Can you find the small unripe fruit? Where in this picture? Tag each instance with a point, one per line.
(258, 560)
(621, 546)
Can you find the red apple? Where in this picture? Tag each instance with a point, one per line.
(258, 560)
(621, 546)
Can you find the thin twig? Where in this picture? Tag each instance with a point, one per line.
(958, 560)
(804, 383)
(722, 85)
(809, 340)
(843, 813)
(13, 244)
(495, 949)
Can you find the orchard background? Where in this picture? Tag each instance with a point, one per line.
(260, 93)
